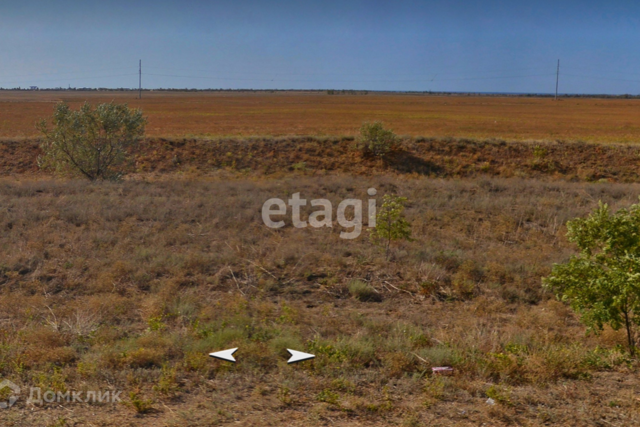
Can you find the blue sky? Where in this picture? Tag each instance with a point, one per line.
(455, 45)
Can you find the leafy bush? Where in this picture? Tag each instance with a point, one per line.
(94, 143)
(167, 383)
(390, 223)
(140, 405)
(375, 140)
(601, 283)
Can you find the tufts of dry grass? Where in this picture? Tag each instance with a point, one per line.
(128, 286)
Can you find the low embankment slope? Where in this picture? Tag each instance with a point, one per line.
(446, 157)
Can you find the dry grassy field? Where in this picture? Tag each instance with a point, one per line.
(127, 286)
(176, 114)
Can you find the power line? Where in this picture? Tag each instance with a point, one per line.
(262, 73)
(497, 77)
(69, 72)
(321, 79)
(447, 73)
(587, 69)
(347, 81)
(72, 78)
(601, 78)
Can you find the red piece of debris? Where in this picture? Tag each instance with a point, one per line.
(442, 370)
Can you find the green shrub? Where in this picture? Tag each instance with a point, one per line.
(499, 394)
(94, 143)
(601, 282)
(328, 396)
(363, 291)
(140, 405)
(167, 383)
(375, 140)
(390, 223)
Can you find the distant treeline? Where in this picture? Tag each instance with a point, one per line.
(327, 91)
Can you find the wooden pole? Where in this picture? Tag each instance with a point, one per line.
(140, 80)
(557, 78)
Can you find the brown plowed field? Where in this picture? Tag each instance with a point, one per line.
(178, 114)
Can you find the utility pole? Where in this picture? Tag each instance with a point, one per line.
(557, 78)
(140, 81)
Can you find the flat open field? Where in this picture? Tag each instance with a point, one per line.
(180, 114)
(125, 287)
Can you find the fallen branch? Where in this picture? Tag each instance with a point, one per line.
(236, 280)
(398, 289)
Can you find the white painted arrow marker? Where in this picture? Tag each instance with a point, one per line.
(225, 355)
(298, 356)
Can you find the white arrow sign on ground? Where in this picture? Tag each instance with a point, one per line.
(225, 355)
(298, 356)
